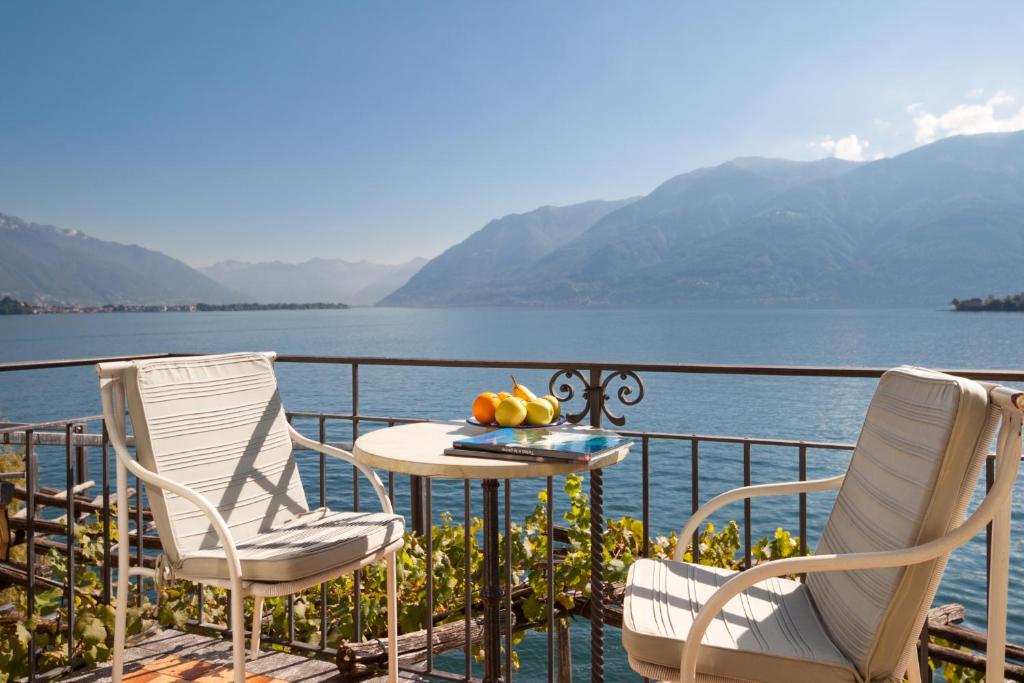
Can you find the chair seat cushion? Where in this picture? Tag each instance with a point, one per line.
(308, 545)
(770, 632)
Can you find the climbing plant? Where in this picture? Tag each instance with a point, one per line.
(177, 603)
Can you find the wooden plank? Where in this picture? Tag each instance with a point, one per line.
(943, 615)
(970, 660)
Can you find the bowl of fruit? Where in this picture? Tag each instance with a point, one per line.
(521, 408)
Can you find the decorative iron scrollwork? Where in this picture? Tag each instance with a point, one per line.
(624, 393)
(565, 392)
(629, 393)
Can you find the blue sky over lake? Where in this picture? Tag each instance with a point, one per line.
(385, 131)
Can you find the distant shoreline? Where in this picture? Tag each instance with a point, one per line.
(1009, 304)
(10, 306)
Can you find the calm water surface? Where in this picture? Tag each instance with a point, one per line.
(794, 408)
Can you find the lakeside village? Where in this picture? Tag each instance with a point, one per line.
(9, 306)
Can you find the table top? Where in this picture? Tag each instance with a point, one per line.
(418, 449)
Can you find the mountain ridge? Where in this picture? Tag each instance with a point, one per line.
(915, 229)
(48, 264)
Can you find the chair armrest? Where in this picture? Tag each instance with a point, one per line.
(326, 449)
(757, 491)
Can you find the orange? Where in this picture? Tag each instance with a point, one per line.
(484, 406)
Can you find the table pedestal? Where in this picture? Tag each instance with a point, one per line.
(491, 592)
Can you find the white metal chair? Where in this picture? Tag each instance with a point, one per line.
(214, 449)
(898, 515)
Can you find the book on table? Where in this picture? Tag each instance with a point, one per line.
(539, 444)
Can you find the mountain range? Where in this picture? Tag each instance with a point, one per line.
(941, 221)
(44, 264)
(917, 229)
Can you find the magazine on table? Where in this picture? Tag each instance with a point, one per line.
(543, 445)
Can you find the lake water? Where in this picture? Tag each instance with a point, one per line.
(792, 408)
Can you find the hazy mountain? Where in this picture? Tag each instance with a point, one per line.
(45, 264)
(941, 221)
(329, 280)
(467, 273)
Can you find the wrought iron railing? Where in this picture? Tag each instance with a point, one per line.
(604, 389)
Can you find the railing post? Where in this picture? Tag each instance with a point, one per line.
(81, 457)
(30, 547)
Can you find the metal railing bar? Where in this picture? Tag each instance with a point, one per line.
(680, 368)
(467, 569)
(645, 455)
(508, 580)
(427, 493)
(357, 577)
(78, 362)
(747, 522)
(694, 494)
(756, 441)
(19, 428)
(677, 368)
(803, 500)
(323, 502)
(70, 541)
(30, 547)
(549, 565)
(105, 473)
(383, 419)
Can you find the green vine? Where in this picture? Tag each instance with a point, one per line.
(177, 603)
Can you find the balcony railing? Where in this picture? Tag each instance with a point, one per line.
(595, 393)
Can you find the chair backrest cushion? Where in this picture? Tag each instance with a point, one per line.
(910, 480)
(215, 424)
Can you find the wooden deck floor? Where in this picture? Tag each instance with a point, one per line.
(172, 656)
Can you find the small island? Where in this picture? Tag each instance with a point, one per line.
(9, 306)
(1011, 302)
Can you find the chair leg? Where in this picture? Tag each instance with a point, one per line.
(257, 624)
(392, 597)
(120, 621)
(124, 580)
(238, 633)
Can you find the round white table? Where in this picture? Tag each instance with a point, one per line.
(418, 449)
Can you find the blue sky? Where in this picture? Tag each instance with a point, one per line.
(263, 131)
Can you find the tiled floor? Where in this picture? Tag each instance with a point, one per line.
(173, 657)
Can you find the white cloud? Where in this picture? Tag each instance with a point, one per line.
(966, 119)
(975, 93)
(850, 147)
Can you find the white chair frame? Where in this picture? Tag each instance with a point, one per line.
(112, 397)
(995, 508)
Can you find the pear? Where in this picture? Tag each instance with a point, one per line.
(538, 412)
(556, 407)
(521, 391)
(510, 412)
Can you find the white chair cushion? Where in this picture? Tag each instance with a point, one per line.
(910, 479)
(770, 632)
(308, 545)
(214, 424)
